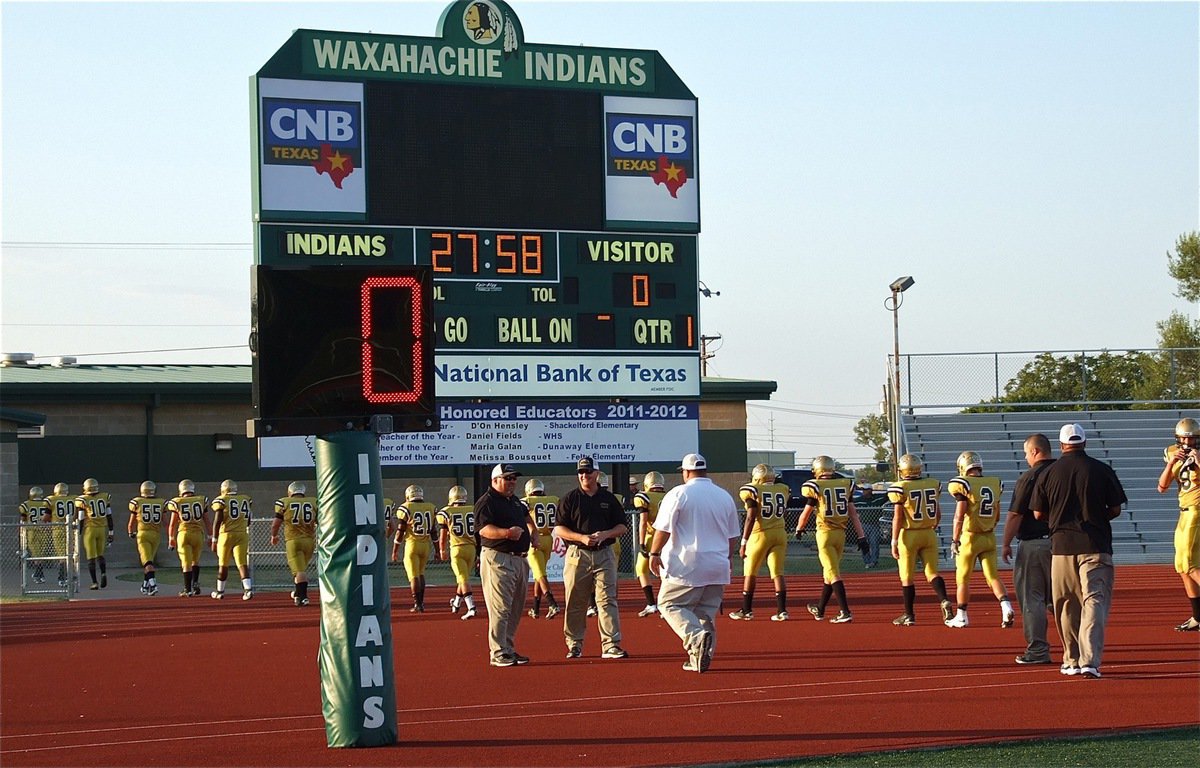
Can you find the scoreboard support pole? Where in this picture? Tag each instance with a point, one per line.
(358, 684)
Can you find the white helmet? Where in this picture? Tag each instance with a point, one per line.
(61, 489)
(228, 487)
(534, 487)
(458, 495)
(414, 493)
(823, 465)
(603, 479)
(296, 489)
(36, 492)
(148, 489)
(91, 485)
(653, 481)
(762, 474)
(186, 487)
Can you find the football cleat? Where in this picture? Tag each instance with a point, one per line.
(824, 466)
(470, 614)
(185, 593)
(958, 622)
(153, 590)
(551, 612)
(815, 610)
(843, 617)
(968, 460)
(762, 474)
(781, 616)
(740, 615)
(532, 613)
(249, 593)
(103, 580)
(653, 481)
(455, 604)
(1191, 625)
(904, 620)
(145, 590)
(196, 591)
(910, 467)
(216, 595)
(301, 601)
(649, 610)
(947, 610)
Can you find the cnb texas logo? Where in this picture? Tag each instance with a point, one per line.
(322, 134)
(658, 146)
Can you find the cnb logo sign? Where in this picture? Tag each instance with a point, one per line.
(324, 134)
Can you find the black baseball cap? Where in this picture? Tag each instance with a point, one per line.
(586, 464)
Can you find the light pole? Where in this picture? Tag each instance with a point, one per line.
(898, 286)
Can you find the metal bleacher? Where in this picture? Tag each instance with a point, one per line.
(1131, 441)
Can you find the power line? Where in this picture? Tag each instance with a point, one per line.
(99, 245)
(145, 351)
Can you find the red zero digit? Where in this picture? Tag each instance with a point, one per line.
(412, 287)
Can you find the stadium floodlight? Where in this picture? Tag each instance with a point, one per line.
(893, 302)
(902, 284)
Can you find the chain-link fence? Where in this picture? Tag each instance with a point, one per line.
(1064, 378)
(38, 560)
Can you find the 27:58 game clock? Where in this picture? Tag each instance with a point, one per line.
(336, 340)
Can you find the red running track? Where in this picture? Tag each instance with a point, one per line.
(194, 682)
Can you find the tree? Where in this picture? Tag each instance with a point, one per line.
(873, 431)
(1174, 373)
(1078, 378)
(1184, 266)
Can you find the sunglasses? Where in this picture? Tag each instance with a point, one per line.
(586, 471)
(509, 478)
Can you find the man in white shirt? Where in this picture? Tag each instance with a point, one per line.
(696, 532)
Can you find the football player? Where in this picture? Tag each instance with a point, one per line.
(543, 508)
(764, 538)
(974, 537)
(296, 513)
(646, 502)
(456, 523)
(414, 528)
(188, 532)
(231, 523)
(831, 497)
(34, 511)
(1183, 467)
(145, 528)
(915, 517)
(62, 509)
(94, 509)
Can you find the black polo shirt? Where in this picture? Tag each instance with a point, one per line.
(589, 514)
(1076, 493)
(494, 508)
(1030, 526)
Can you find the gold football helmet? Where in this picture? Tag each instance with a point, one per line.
(147, 489)
(458, 495)
(762, 474)
(296, 489)
(653, 481)
(534, 487)
(910, 467)
(61, 489)
(968, 460)
(36, 493)
(823, 466)
(91, 485)
(603, 480)
(228, 487)
(1188, 428)
(414, 493)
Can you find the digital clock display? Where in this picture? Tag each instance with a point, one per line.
(330, 341)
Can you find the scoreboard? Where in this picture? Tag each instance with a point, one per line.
(538, 203)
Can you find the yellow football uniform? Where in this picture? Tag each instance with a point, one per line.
(389, 517)
(459, 522)
(768, 537)
(94, 510)
(62, 509)
(1187, 529)
(189, 536)
(33, 513)
(646, 502)
(231, 525)
(544, 511)
(416, 518)
(918, 500)
(148, 512)
(832, 497)
(299, 516)
(977, 536)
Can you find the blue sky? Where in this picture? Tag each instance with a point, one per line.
(1029, 164)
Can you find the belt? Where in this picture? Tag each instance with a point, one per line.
(589, 549)
(1034, 538)
(503, 552)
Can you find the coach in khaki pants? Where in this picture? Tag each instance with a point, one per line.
(506, 531)
(1079, 496)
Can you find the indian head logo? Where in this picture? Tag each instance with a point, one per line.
(485, 23)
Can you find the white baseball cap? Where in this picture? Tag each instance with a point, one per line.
(500, 470)
(1072, 434)
(693, 461)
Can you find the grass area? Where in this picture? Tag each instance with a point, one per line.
(1174, 748)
